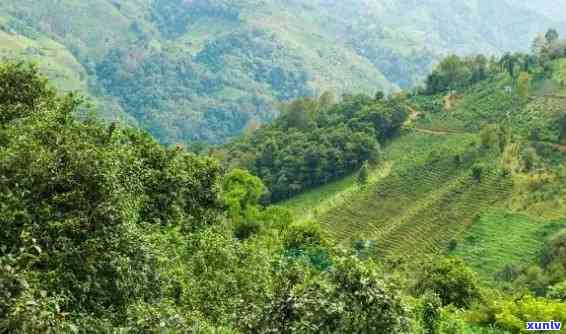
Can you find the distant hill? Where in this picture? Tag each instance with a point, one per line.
(204, 70)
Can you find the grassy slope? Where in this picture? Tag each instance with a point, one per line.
(499, 238)
(53, 58)
(425, 200)
(488, 103)
(313, 203)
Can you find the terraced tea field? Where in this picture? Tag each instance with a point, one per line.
(420, 198)
(437, 190)
(418, 210)
(498, 238)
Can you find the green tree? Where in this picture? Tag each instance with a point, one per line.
(78, 199)
(558, 291)
(509, 63)
(241, 192)
(451, 280)
(350, 297)
(303, 236)
(23, 91)
(489, 136)
(431, 312)
(529, 158)
(363, 176)
(552, 36)
(226, 280)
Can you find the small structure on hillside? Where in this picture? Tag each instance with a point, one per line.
(508, 89)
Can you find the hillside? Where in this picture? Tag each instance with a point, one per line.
(205, 70)
(474, 177)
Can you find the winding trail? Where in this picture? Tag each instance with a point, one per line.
(414, 115)
(438, 132)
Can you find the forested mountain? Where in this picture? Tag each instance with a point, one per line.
(204, 70)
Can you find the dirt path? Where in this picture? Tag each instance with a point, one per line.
(438, 132)
(414, 115)
(552, 96)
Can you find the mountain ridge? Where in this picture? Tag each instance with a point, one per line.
(207, 69)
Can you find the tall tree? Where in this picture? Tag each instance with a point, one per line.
(539, 45)
(363, 175)
(552, 36)
(508, 62)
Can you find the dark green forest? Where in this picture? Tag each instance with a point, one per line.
(315, 141)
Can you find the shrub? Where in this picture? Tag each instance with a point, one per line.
(451, 280)
(558, 291)
(477, 171)
(246, 228)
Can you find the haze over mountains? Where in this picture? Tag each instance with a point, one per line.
(439, 208)
(204, 70)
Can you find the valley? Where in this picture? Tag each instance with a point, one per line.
(203, 71)
(227, 167)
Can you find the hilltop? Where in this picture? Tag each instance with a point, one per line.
(206, 70)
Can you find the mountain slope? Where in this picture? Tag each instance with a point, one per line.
(204, 70)
(474, 179)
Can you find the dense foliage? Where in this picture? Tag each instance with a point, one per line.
(457, 73)
(189, 93)
(316, 141)
(105, 230)
(77, 197)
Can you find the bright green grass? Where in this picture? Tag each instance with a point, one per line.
(303, 205)
(425, 200)
(311, 204)
(499, 238)
(560, 71)
(405, 151)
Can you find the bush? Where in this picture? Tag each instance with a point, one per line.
(303, 236)
(477, 171)
(245, 229)
(555, 250)
(451, 280)
(451, 321)
(558, 291)
(431, 306)
(512, 315)
(348, 298)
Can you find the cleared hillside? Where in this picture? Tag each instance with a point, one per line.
(455, 183)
